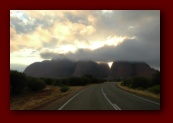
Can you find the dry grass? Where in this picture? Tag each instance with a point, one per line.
(30, 100)
(140, 92)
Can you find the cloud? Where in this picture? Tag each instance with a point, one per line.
(129, 50)
(144, 26)
(88, 34)
(118, 22)
(22, 41)
(40, 34)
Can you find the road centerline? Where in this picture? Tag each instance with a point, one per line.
(113, 105)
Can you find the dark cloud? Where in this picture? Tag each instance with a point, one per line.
(129, 50)
(119, 22)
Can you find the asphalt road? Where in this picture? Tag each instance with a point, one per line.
(106, 96)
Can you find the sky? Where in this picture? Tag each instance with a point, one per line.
(97, 35)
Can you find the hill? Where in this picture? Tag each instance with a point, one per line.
(67, 68)
(124, 69)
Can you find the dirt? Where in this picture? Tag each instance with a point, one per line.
(33, 100)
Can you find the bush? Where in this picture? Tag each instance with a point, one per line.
(48, 81)
(138, 83)
(74, 81)
(156, 78)
(36, 84)
(64, 89)
(77, 81)
(17, 82)
(155, 89)
(127, 82)
(90, 79)
(57, 82)
(118, 79)
(141, 82)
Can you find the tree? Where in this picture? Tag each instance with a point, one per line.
(57, 82)
(36, 84)
(48, 81)
(64, 88)
(156, 78)
(17, 82)
(141, 82)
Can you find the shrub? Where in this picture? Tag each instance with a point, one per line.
(17, 82)
(156, 78)
(90, 79)
(36, 84)
(155, 89)
(118, 79)
(64, 89)
(57, 82)
(141, 82)
(140, 88)
(77, 81)
(48, 81)
(127, 82)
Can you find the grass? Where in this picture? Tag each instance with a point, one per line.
(140, 92)
(27, 101)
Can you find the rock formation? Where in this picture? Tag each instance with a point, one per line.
(67, 68)
(102, 70)
(123, 69)
(85, 67)
(92, 68)
(51, 69)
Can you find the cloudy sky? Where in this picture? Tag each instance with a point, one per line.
(98, 35)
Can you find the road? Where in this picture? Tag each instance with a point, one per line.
(107, 96)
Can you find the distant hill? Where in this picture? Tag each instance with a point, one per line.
(124, 69)
(66, 68)
(51, 69)
(90, 67)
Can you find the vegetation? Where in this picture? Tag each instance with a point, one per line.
(64, 88)
(155, 89)
(78, 81)
(30, 101)
(17, 82)
(142, 83)
(139, 91)
(48, 81)
(156, 78)
(57, 82)
(36, 84)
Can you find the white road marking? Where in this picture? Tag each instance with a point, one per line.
(113, 105)
(117, 107)
(138, 97)
(71, 99)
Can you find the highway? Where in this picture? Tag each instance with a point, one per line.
(104, 96)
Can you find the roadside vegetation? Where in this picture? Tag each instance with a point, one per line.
(144, 86)
(28, 92)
